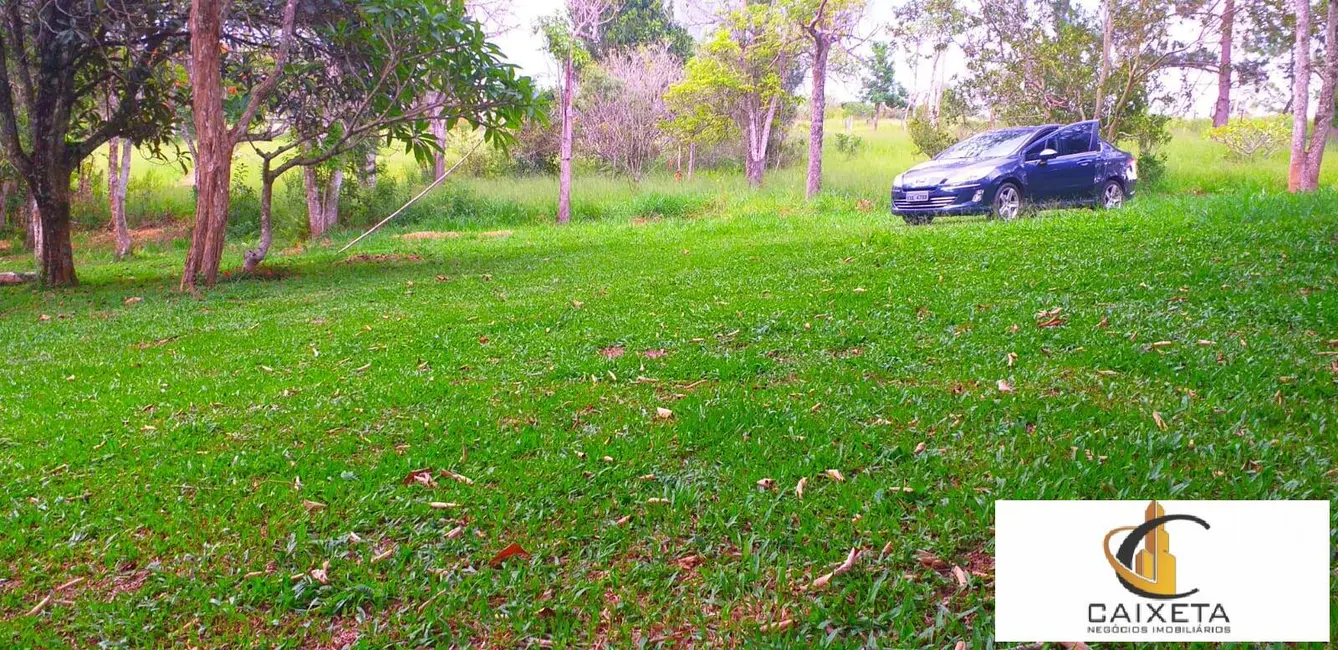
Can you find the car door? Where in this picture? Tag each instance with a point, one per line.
(1076, 168)
(1045, 182)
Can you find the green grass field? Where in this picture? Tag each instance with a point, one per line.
(633, 400)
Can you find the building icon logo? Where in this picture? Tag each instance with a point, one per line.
(1148, 572)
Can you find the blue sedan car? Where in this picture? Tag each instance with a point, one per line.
(1006, 171)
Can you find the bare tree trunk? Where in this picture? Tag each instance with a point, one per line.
(213, 150)
(315, 208)
(51, 228)
(877, 109)
(821, 48)
(1324, 111)
(6, 191)
(253, 258)
(369, 168)
(194, 167)
(32, 239)
(1300, 95)
(438, 128)
(692, 159)
(1107, 36)
(565, 146)
(84, 188)
(330, 207)
(1222, 110)
(118, 178)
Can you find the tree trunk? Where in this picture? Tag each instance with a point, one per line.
(32, 239)
(1222, 110)
(213, 164)
(252, 258)
(330, 207)
(564, 155)
(692, 159)
(369, 168)
(84, 188)
(877, 109)
(1300, 95)
(315, 208)
(1107, 36)
(821, 48)
(118, 178)
(1324, 111)
(54, 253)
(753, 170)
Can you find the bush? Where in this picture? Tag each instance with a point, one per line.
(850, 145)
(1251, 138)
(929, 139)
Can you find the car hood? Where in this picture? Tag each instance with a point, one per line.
(936, 172)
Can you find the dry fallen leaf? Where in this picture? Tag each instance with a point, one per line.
(961, 645)
(1005, 386)
(835, 475)
(420, 477)
(799, 488)
(960, 575)
(822, 580)
(623, 521)
(1012, 359)
(510, 551)
(313, 506)
(778, 626)
(383, 555)
(322, 574)
(455, 533)
(443, 505)
(662, 413)
(930, 560)
(920, 448)
(656, 501)
(1156, 417)
(767, 484)
(132, 300)
(459, 478)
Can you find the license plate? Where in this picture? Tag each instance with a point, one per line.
(917, 197)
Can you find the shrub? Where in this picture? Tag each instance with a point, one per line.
(1251, 138)
(850, 145)
(929, 140)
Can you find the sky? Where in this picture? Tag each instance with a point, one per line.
(525, 49)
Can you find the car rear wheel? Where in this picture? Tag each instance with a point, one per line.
(1007, 202)
(1112, 196)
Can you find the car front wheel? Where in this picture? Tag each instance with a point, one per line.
(1112, 195)
(1007, 202)
(918, 219)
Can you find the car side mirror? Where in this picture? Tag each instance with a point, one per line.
(1047, 155)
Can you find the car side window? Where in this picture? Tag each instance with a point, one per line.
(1034, 152)
(1075, 140)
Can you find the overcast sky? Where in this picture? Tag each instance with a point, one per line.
(525, 49)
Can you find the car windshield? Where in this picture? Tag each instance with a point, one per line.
(990, 144)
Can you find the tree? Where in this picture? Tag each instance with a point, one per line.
(1222, 109)
(641, 23)
(59, 59)
(741, 74)
(624, 108)
(1303, 172)
(215, 140)
(119, 151)
(388, 71)
(827, 23)
(881, 87)
(564, 39)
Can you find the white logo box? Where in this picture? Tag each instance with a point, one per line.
(1265, 563)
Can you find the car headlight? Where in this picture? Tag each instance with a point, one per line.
(898, 181)
(968, 177)
(1133, 170)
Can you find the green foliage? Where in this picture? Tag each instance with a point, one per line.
(929, 139)
(1251, 138)
(857, 109)
(880, 79)
(849, 144)
(640, 23)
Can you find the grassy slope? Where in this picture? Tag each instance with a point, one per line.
(155, 448)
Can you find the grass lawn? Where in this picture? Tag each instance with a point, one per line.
(237, 470)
